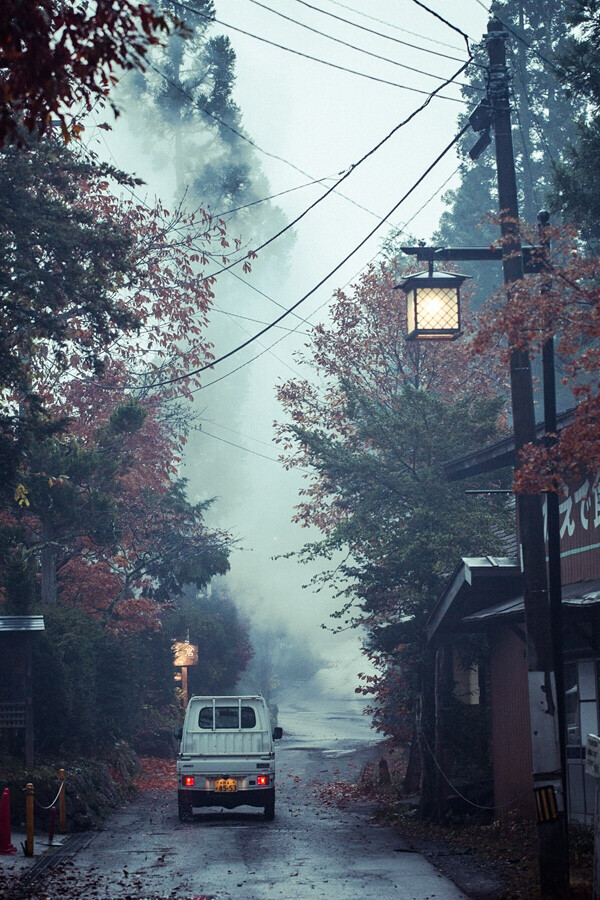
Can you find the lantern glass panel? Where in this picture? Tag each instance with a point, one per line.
(411, 305)
(437, 309)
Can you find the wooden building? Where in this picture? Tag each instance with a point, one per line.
(485, 595)
(16, 691)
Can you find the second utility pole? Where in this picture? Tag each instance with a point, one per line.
(548, 782)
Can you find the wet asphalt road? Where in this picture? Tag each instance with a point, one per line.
(313, 849)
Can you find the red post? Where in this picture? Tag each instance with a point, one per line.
(5, 843)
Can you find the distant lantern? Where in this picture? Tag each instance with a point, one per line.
(433, 305)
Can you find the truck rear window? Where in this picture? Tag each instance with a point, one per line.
(227, 717)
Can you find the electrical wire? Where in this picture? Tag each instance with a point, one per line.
(239, 434)
(235, 209)
(346, 174)
(317, 59)
(520, 38)
(239, 446)
(316, 287)
(232, 315)
(330, 37)
(373, 231)
(192, 100)
(380, 34)
(436, 15)
(400, 229)
(216, 437)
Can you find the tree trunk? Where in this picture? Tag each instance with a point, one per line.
(412, 778)
(427, 804)
(444, 686)
(48, 563)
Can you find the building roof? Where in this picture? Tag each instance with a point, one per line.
(583, 595)
(21, 623)
(495, 456)
(476, 582)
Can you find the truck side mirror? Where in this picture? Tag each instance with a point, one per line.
(178, 732)
(277, 733)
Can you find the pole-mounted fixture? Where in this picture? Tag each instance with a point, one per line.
(433, 298)
(432, 302)
(480, 121)
(433, 305)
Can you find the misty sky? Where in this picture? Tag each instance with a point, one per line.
(319, 121)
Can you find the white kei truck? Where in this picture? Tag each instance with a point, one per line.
(227, 755)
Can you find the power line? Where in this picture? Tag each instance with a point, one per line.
(427, 202)
(266, 296)
(323, 280)
(442, 19)
(401, 229)
(520, 38)
(373, 231)
(233, 315)
(239, 446)
(269, 349)
(192, 100)
(246, 449)
(380, 34)
(346, 174)
(239, 434)
(317, 59)
(229, 212)
(330, 37)
(348, 171)
(392, 25)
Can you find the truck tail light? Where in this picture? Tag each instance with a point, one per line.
(262, 780)
(189, 781)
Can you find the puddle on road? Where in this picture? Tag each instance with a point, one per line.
(336, 754)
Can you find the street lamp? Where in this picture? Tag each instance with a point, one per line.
(433, 305)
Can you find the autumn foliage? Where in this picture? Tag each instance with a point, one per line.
(560, 303)
(363, 351)
(104, 368)
(370, 426)
(57, 59)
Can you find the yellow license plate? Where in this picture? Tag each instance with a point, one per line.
(226, 785)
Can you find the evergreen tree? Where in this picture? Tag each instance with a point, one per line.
(184, 102)
(543, 118)
(576, 188)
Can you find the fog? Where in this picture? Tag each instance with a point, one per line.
(306, 122)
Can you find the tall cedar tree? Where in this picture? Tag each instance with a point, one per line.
(543, 120)
(576, 187)
(188, 89)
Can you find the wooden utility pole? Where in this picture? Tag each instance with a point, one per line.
(547, 769)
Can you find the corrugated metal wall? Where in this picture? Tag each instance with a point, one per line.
(511, 742)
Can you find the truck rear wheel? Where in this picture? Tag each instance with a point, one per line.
(270, 806)
(185, 806)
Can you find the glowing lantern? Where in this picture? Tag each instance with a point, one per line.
(433, 305)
